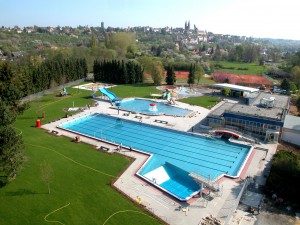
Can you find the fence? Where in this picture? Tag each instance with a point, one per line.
(51, 90)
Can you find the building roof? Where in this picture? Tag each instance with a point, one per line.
(277, 112)
(292, 122)
(218, 112)
(237, 87)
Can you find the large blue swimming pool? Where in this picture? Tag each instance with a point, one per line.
(143, 105)
(175, 154)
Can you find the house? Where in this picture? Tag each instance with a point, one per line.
(73, 35)
(18, 54)
(39, 47)
(194, 41)
(53, 47)
(156, 30)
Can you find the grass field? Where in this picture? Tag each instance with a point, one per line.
(240, 68)
(203, 80)
(80, 187)
(203, 101)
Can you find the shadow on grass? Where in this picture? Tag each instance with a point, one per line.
(23, 191)
(3, 181)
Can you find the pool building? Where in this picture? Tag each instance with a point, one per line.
(180, 163)
(259, 114)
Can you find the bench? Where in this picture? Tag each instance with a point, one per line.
(161, 121)
(156, 95)
(104, 148)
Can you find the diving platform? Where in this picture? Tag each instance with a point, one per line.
(213, 185)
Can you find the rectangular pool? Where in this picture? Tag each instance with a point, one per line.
(174, 154)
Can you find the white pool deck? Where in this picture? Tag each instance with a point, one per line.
(156, 201)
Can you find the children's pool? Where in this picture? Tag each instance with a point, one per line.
(143, 106)
(174, 154)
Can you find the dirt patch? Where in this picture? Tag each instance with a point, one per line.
(294, 110)
(178, 74)
(242, 79)
(288, 147)
(275, 218)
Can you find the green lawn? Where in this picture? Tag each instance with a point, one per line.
(80, 187)
(137, 90)
(203, 101)
(241, 68)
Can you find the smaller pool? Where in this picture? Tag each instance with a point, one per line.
(173, 180)
(143, 106)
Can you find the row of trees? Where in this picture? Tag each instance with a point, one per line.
(11, 141)
(239, 53)
(114, 71)
(52, 73)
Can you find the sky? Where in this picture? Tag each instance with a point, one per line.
(256, 18)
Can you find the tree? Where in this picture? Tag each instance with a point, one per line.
(295, 75)
(296, 59)
(131, 51)
(157, 72)
(274, 54)
(131, 72)
(191, 77)
(154, 67)
(120, 42)
(170, 79)
(11, 144)
(293, 87)
(46, 174)
(226, 91)
(251, 53)
(217, 55)
(285, 85)
(199, 73)
(298, 103)
(94, 41)
(11, 152)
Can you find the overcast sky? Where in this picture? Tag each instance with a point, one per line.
(256, 18)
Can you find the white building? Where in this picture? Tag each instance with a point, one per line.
(291, 130)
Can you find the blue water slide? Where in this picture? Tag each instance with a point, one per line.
(109, 94)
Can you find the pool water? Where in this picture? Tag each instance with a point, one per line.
(163, 108)
(175, 154)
